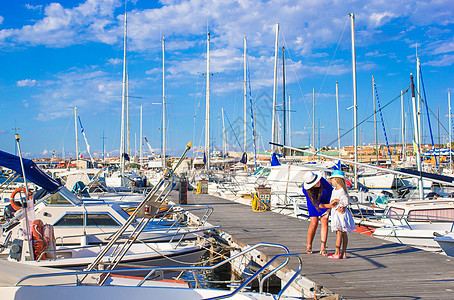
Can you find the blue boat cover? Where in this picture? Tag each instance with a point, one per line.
(274, 160)
(32, 171)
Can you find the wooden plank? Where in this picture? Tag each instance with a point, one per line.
(374, 269)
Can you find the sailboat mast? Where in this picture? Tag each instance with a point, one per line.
(450, 130)
(313, 118)
(122, 137)
(418, 152)
(403, 124)
(141, 138)
(355, 107)
(283, 99)
(77, 142)
(289, 122)
(273, 121)
(338, 123)
(245, 97)
(127, 115)
(207, 108)
(224, 138)
(375, 121)
(418, 101)
(163, 105)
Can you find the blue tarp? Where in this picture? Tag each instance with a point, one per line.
(32, 172)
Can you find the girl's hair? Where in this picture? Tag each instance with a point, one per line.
(314, 194)
(341, 182)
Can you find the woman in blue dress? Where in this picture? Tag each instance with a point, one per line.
(317, 190)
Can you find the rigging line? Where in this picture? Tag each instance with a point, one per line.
(365, 120)
(196, 108)
(332, 59)
(382, 121)
(66, 131)
(297, 79)
(428, 116)
(411, 119)
(239, 144)
(261, 80)
(433, 114)
(252, 114)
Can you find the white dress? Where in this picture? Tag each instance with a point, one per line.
(343, 222)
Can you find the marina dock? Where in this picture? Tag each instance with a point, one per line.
(375, 269)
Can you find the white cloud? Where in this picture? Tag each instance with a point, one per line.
(378, 19)
(114, 61)
(183, 20)
(26, 82)
(299, 132)
(442, 61)
(33, 7)
(60, 27)
(83, 88)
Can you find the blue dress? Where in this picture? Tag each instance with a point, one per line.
(324, 198)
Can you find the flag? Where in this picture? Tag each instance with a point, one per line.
(204, 159)
(85, 138)
(415, 147)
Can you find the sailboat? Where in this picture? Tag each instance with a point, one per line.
(122, 179)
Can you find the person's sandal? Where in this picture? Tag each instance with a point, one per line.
(323, 249)
(309, 251)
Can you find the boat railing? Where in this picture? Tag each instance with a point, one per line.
(17, 217)
(400, 218)
(177, 213)
(167, 234)
(361, 206)
(287, 255)
(171, 236)
(10, 180)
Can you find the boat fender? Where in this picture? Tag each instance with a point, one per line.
(39, 244)
(49, 238)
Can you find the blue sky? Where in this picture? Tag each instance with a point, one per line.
(64, 54)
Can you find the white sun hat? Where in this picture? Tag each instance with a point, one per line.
(311, 179)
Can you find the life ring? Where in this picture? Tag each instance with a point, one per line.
(11, 200)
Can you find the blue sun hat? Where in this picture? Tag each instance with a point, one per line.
(338, 174)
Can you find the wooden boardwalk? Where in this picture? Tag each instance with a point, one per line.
(375, 269)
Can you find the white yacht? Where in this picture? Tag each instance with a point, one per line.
(414, 222)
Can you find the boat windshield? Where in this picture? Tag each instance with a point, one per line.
(395, 213)
(432, 215)
(63, 197)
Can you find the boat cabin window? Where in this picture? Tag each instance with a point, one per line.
(101, 220)
(265, 172)
(57, 199)
(71, 219)
(435, 215)
(395, 213)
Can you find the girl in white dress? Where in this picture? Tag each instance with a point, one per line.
(341, 218)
